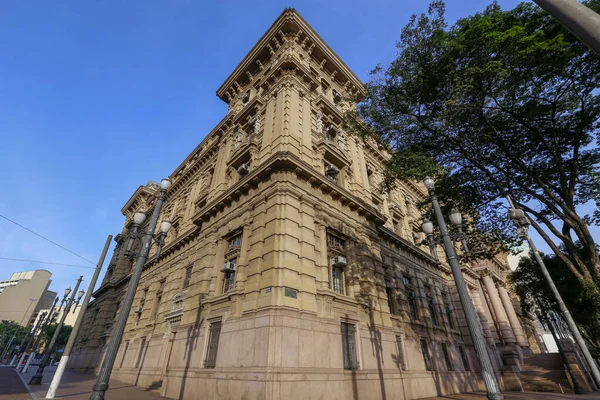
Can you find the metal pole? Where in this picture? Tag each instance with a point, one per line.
(578, 19)
(65, 356)
(37, 378)
(487, 371)
(30, 339)
(101, 385)
(561, 304)
(40, 333)
(576, 386)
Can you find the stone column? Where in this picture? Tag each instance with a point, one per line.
(482, 317)
(512, 316)
(505, 329)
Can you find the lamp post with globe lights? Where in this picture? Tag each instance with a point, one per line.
(37, 378)
(521, 220)
(487, 371)
(147, 237)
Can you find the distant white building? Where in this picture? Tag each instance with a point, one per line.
(24, 294)
(58, 312)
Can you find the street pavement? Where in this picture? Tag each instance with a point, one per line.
(78, 387)
(519, 396)
(74, 386)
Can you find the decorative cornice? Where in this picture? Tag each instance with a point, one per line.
(289, 22)
(288, 161)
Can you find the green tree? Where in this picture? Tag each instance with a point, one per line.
(63, 336)
(504, 102)
(535, 296)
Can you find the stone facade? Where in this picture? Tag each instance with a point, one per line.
(287, 274)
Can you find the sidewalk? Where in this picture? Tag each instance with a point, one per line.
(519, 396)
(76, 386)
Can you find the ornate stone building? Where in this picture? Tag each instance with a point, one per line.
(286, 273)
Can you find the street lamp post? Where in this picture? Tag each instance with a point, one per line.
(67, 352)
(45, 323)
(521, 220)
(37, 378)
(30, 339)
(101, 385)
(487, 371)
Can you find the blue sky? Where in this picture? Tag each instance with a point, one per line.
(99, 97)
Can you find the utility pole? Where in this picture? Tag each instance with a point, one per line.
(65, 357)
(37, 378)
(578, 19)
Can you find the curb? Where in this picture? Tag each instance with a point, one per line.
(33, 396)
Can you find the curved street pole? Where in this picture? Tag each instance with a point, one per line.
(522, 221)
(37, 378)
(487, 371)
(101, 385)
(578, 19)
(65, 356)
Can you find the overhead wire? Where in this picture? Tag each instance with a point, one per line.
(45, 238)
(46, 262)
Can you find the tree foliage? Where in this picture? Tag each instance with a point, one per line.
(535, 295)
(504, 102)
(63, 336)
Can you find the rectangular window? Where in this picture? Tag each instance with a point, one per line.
(401, 360)
(389, 291)
(229, 275)
(431, 304)
(141, 353)
(447, 358)
(124, 354)
(426, 357)
(141, 307)
(463, 357)
(449, 316)
(337, 274)
(235, 241)
(213, 345)
(412, 304)
(188, 277)
(349, 351)
(432, 310)
(156, 306)
(407, 280)
(334, 242)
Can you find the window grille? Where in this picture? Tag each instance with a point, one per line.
(447, 358)
(213, 345)
(389, 291)
(412, 304)
(401, 358)
(349, 346)
(449, 316)
(426, 357)
(188, 277)
(463, 356)
(229, 276)
(338, 279)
